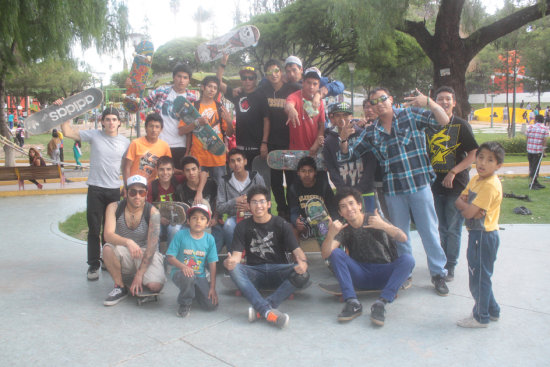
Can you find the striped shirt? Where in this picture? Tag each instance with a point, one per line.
(139, 234)
(402, 153)
(535, 138)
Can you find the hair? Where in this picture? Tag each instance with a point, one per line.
(493, 147)
(346, 191)
(110, 111)
(77, 143)
(153, 116)
(307, 161)
(378, 89)
(189, 159)
(365, 101)
(165, 160)
(272, 62)
(539, 118)
(55, 134)
(234, 151)
(210, 79)
(36, 154)
(182, 68)
(445, 88)
(258, 190)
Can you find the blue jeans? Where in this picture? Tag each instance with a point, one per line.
(193, 288)
(421, 204)
(450, 226)
(169, 231)
(228, 230)
(481, 255)
(250, 278)
(216, 173)
(217, 233)
(355, 275)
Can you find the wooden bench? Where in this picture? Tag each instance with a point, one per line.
(20, 174)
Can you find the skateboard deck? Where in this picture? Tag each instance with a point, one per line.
(74, 106)
(234, 41)
(210, 140)
(146, 297)
(174, 211)
(318, 218)
(288, 159)
(141, 69)
(335, 290)
(230, 285)
(260, 165)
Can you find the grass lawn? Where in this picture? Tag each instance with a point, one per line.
(515, 158)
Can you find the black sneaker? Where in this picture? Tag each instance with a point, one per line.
(450, 274)
(116, 295)
(183, 310)
(377, 313)
(93, 272)
(440, 286)
(277, 318)
(351, 310)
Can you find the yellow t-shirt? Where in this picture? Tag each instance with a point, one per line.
(144, 157)
(485, 194)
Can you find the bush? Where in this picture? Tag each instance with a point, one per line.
(517, 144)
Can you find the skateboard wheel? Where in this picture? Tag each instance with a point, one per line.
(124, 95)
(149, 58)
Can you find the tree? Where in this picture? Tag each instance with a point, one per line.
(200, 17)
(449, 52)
(536, 51)
(179, 50)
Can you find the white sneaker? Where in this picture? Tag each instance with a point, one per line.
(470, 322)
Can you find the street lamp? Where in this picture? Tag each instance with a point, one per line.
(492, 96)
(95, 76)
(351, 66)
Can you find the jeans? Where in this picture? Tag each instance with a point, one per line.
(421, 204)
(216, 173)
(355, 275)
(228, 229)
(218, 234)
(169, 231)
(450, 226)
(193, 288)
(97, 200)
(533, 159)
(250, 278)
(481, 255)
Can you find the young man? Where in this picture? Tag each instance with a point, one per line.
(189, 252)
(265, 239)
(162, 98)
(307, 186)
(143, 153)
(214, 114)
(452, 150)
(232, 198)
(294, 71)
(480, 205)
(251, 112)
(107, 149)
(372, 262)
(537, 135)
(399, 143)
(132, 228)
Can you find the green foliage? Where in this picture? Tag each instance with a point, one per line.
(179, 50)
(119, 79)
(516, 145)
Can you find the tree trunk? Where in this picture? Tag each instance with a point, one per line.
(9, 153)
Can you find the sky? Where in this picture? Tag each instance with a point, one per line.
(163, 26)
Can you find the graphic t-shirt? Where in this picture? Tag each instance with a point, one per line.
(144, 157)
(164, 195)
(250, 110)
(302, 137)
(485, 194)
(264, 243)
(192, 252)
(448, 146)
(299, 195)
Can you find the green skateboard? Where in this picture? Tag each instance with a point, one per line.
(317, 217)
(288, 159)
(141, 69)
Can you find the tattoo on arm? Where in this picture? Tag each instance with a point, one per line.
(152, 239)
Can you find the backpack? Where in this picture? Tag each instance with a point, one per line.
(155, 188)
(122, 206)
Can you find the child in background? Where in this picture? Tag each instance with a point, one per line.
(77, 154)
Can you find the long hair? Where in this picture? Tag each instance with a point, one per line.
(52, 145)
(36, 155)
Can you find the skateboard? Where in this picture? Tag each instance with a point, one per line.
(210, 140)
(288, 159)
(141, 68)
(147, 296)
(260, 165)
(335, 290)
(74, 106)
(234, 41)
(175, 211)
(230, 285)
(317, 217)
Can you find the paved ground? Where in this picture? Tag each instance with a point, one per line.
(53, 316)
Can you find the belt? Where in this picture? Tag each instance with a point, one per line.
(240, 147)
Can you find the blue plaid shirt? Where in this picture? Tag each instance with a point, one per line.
(402, 153)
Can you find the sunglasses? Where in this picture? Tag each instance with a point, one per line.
(248, 77)
(273, 71)
(134, 192)
(374, 102)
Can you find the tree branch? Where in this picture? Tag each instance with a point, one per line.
(419, 32)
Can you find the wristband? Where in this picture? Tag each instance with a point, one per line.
(264, 142)
(453, 172)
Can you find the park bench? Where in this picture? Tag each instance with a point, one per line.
(20, 174)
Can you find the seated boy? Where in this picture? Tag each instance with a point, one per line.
(188, 253)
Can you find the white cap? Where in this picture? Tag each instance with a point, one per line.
(293, 60)
(203, 207)
(312, 70)
(136, 179)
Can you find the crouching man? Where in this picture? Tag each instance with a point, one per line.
(372, 263)
(131, 255)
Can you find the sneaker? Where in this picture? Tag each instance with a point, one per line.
(116, 295)
(277, 318)
(407, 284)
(440, 286)
(494, 318)
(351, 310)
(377, 313)
(450, 274)
(183, 310)
(39, 186)
(93, 272)
(253, 315)
(470, 322)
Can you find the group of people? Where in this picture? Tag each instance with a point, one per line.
(383, 166)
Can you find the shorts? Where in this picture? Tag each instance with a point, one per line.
(129, 266)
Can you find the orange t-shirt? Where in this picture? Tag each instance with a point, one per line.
(205, 158)
(144, 157)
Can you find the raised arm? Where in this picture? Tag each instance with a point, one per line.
(221, 71)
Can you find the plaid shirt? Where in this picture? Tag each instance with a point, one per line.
(535, 138)
(402, 153)
(158, 96)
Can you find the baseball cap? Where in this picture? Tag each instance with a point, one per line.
(340, 107)
(312, 72)
(202, 207)
(293, 60)
(247, 68)
(110, 111)
(136, 179)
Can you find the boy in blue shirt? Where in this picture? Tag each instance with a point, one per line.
(188, 253)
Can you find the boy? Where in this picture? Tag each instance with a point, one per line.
(480, 205)
(188, 253)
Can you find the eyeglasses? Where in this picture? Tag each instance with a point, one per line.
(248, 77)
(134, 192)
(258, 202)
(273, 71)
(374, 102)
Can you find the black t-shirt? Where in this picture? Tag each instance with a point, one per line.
(368, 245)
(448, 146)
(264, 243)
(209, 193)
(250, 110)
(279, 137)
